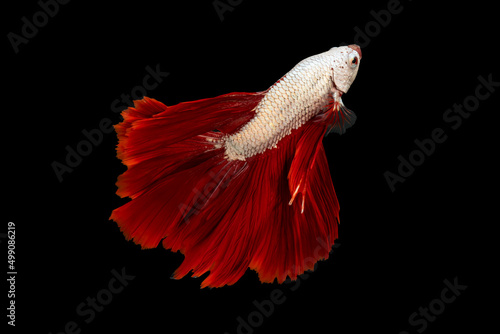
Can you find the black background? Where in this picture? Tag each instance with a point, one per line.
(396, 248)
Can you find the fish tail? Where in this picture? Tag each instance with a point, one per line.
(171, 153)
(276, 213)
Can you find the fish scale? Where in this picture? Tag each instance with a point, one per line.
(297, 97)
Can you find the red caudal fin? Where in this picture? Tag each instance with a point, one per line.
(225, 216)
(168, 152)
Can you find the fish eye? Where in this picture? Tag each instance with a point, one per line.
(353, 60)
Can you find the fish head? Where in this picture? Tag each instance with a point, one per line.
(345, 66)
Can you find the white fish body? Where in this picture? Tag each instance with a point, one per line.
(305, 91)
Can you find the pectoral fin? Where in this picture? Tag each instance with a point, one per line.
(343, 118)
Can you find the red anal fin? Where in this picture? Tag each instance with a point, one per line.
(303, 161)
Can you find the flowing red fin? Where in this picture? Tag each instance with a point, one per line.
(169, 152)
(224, 216)
(253, 226)
(297, 239)
(150, 126)
(303, 161)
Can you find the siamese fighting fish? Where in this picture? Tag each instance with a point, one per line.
(240, 180)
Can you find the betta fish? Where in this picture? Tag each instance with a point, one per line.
(240, 180)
